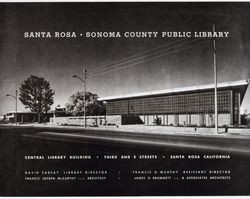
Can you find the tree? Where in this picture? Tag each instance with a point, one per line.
(75, 106)
(37, 95)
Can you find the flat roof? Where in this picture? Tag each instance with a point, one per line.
(178, 90)
(26, 112)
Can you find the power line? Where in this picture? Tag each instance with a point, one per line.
(135, 55)
(176, 51)
(111, 67)
(143, 57)
(152, 58)
(141, 53)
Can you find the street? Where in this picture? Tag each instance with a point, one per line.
(122, 155)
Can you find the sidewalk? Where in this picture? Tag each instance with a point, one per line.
(167, 130)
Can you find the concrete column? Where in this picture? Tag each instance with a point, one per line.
(189, 120)
(239, 109)
(176, 120)
(211, 116)
(201, 119)
(231, 108)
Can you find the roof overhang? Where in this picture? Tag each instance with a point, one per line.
(178, 90)
(21, 112)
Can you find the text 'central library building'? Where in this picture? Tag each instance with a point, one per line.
(185, 106)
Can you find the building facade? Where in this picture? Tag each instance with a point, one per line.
(187, 106)
(31, 117)
(21, 117)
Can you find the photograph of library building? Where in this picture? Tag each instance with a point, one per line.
(186, 106)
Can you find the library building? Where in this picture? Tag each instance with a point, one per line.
(186, 106)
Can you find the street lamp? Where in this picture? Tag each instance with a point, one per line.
(15, 97)
(84, 85)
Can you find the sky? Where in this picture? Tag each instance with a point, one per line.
(57, 59)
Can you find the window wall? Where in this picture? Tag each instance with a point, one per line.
(186, 103)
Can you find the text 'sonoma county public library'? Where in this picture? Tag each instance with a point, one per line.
(179, 106)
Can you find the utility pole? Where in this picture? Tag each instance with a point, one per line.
(215, 86)
(16, 108)
(85, 82)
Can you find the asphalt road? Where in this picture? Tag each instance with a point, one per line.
(19, 142)
(208, 143)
